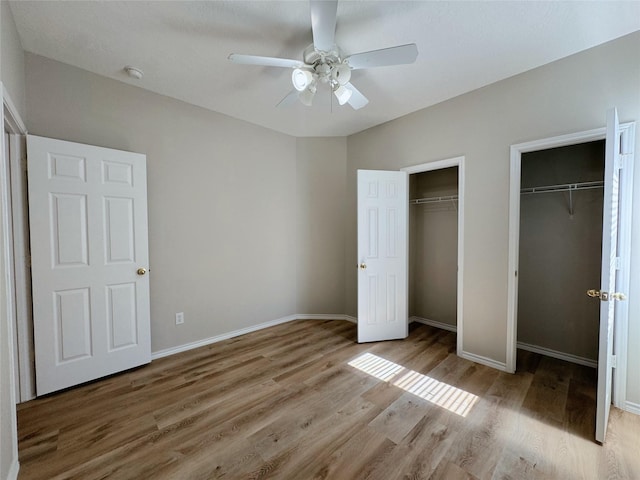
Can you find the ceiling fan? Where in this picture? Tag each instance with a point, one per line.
(324, 63)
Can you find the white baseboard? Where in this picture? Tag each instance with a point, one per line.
(489, 362)
(433, 323)
(13, 471)
(235, 333)
(632, 407)
(322, 316)
(303, 316)
(587, 362)
(351, 319)
(218, 338)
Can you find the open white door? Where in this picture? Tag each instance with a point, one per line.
(383, 208)
(88, 220)
(607, 293)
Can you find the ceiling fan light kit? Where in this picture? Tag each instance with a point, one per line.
(301, 79)
(324, 62)
(343, 94)
(306, 96)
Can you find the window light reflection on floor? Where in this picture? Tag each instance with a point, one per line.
(439, 393)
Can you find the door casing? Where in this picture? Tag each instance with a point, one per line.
(439, 165)
(626, 189)
(21, 280)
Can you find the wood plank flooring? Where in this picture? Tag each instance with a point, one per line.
(303, 400)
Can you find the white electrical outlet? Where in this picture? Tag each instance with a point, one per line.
(179, 318)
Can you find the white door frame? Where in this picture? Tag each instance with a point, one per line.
(12, 124)
(21, 295)
(439, 165)
(626, 189)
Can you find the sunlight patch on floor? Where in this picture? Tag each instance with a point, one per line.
(439, 393)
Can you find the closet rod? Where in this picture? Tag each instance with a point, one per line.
(446, 198)
(564, 187)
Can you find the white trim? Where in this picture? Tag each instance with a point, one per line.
(22, 272)
(235, 333)
(438, 165)
(11, 115)
(322, 316)
(489, 362)
(5, 242)
(14, 470)
(435, 165)
(621, 328)
(218, 338)
(567, 357)
(620, 374)
(22, 320)
(433, 323)
(351, 318)
(631, 407)
(514, 223)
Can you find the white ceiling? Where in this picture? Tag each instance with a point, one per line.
(183, 46)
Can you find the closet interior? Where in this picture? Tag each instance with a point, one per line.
(433, 247)
(561, 207)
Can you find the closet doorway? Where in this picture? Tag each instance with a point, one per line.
(611, 290)
(561, 205)
(436, 213)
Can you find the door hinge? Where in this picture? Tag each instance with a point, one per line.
(618, 263)
(621, 161)
(614, 361)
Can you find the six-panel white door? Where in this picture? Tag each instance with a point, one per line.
(383, 209)
(88, 220)
(608, 294)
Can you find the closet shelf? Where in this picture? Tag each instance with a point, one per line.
(564, 187)
(446, 198)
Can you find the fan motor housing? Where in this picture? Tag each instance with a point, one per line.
(314, 57)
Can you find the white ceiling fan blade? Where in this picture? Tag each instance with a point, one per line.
(357, 100)
(399, 55)
(289, 100)
(265, 61)
(323, 23)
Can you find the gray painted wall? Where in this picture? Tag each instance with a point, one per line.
(216, 185)
(245, 224)
(321, 193)
(12, 60)
(570, 95)
(433, 247)
(560, 255)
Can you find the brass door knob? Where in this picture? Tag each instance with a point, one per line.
(593, 293)
(142, 271)
(363, 266)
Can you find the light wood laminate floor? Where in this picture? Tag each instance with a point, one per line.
(303, 400)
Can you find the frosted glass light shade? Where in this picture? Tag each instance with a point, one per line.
(301, 79)
(343, 94)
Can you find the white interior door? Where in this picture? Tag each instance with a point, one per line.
(383, 208)
(608, 294)
(88, 224)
